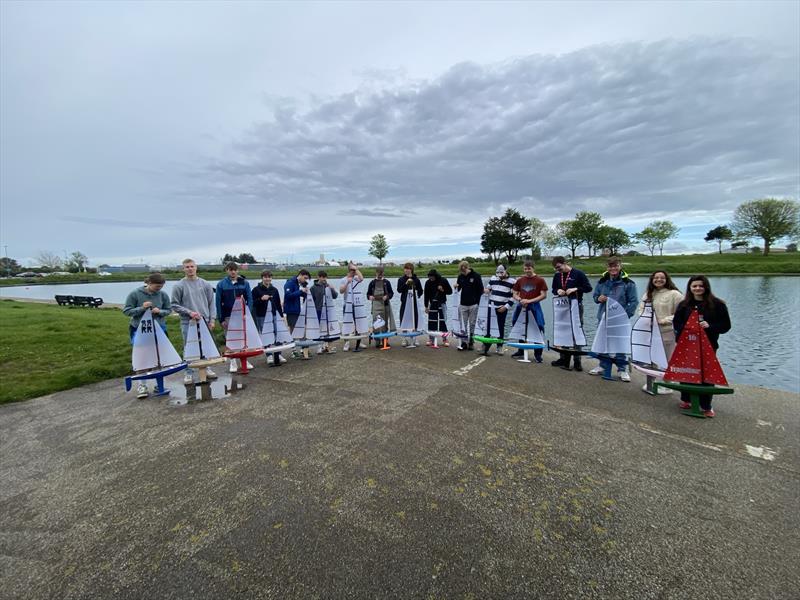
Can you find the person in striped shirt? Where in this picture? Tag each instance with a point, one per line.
(500, 297)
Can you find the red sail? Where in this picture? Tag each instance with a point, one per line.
(694, 360)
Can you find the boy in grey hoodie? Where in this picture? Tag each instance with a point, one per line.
(193, 299)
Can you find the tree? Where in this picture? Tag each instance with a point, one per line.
(791, 247)
(549, 241)
(569, 236)
(49, 260)
(517, 229)
(589, 227)
(656, 234)
(613, 238)
(77, 262)
(769, 219)
(539, 231)
(492, 238)
(247, 258)
(379, 247)
(719, 234)
(9, 266)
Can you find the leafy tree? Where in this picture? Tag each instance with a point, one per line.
(719, 234)
(518, 237)
(247, 258)
(769, 219)
(77, 262)
(549, 241)
(379, 247)
(49, 260)
(228, 258)
(9, 266)
(656, 234)
(613, 238)
(569, 235)
(791, 247)
(739, 243)
(493, 238)
(589, 227)
(539, 231)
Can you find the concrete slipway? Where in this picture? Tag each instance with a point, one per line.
(400, 474)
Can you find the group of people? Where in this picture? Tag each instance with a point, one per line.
(193, 298)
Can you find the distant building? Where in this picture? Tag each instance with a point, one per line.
(131, 268)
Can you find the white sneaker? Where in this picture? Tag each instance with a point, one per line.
(405, 342)
(188, 379)
(330, 350)
(250, 365)
(597, 371)
(210, 374)
(320, 350)
(141, 391)
(269, 359)
(346, 347)
(280, 358)
(500, 351)
(234, 367)
(624, 376)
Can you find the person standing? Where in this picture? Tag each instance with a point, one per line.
(380, 293)
(665, 297)
(714, 319)
(437, 288)
(192, 300)
(615, 284)
(228, 289)
(407, 282)
(501, 298)
(470, 284)
(318, 292)
(347, 286)
(267, 295)
(572, 283)
(529, 291)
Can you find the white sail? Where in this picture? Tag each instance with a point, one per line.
(151, 346)
(614, 331)
(307, 326)
(409, 320)
(355, 321)
(199, 343)
(567, 329)
(526, 328)
(647, 345)
(274, 330)
(328, 323)
(486, 324)
(454, 323)
(242, 333)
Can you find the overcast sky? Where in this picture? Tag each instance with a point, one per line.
(157, 131)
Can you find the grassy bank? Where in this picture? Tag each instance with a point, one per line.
(688, 264)
(45, 348)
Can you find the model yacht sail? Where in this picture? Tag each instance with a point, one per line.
(647, 347)
(355, 324)
(199, 349)
(487, 329)
(306, 331)
(437, 322)
(411, 316)
(275, 336)
(242, 337)
(694, 359)
(455, 323)
(153, 353)
(567, 329)
(527, 330)
(328, 322)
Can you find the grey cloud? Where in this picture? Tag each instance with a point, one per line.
(373, 212)
(632, 127)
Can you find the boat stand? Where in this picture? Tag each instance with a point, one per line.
(694, 391)
(524, 358)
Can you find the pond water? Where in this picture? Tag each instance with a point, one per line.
(762, 348)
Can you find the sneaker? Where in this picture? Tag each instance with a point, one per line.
(500, 350)
(446, 343)
(685, 405)
(141, 391)
(234, 366)
(188, 379)
(518, 353)
(624, 376)
(539, 359)
(320, 350)
(557, 363)
(599, 371)
(346, 347)
(461, 347)
(710, 414)
(330, 350)
(270, 359)
(429, 343)
(405, 342)
(210, 374)
(281, 359)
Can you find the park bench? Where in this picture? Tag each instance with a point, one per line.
(89, 301)
(63, 300)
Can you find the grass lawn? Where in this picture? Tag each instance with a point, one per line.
(45, 348)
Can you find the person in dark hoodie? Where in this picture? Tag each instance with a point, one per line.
(265, 294)
(437, 288)
(470, 284)
(294, 290)
(615, 284)
(228, 289)
(318, 293)
(572, 283)
(407, 282)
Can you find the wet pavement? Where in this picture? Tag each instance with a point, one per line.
(400, 474)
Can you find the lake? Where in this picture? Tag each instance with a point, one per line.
(762, 348)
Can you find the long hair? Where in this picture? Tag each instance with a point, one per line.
(669, 285)
(709, 300)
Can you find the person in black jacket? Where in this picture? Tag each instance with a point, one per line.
(265, 294)
(714, 319)
(572, 283)
(409, 281)
(437, 288)
(470, 284)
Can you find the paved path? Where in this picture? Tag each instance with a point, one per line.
(400, 474)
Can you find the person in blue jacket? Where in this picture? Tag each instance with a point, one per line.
(294, 289)
(615, 284)
(230, 288)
